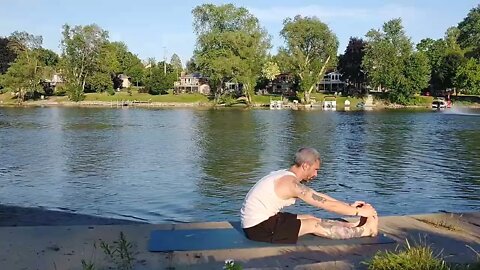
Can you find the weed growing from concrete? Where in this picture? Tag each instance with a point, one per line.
(411, 258)
(119, 253)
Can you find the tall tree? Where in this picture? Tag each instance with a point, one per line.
(415, 77)
(191, 66)
(129, 63)
(385, 54)
(81, 50)
(25, 75)
(435, 51)
(231, 45)
(350, 63)
(448, 67)
(7, 55)
(469, 33)
(391, 63)
(311, 47)
(159, 82)
(451, 40)
(176, 63)
(467, 77)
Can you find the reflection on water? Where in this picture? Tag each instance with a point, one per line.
(197, 165)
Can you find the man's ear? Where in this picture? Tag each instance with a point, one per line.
(304, 166)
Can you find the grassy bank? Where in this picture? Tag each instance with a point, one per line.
(380, 99)
(136, 96)
(8, 99)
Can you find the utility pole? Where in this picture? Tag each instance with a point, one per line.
(164, 60)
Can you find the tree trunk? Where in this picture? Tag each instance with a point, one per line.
(307, 97)
(308, 93)
(248, 94)
(218, 92)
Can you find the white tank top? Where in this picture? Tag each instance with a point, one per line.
(262, 202)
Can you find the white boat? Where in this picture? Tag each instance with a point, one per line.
(329, 103)
(439, 103)
(276, 104)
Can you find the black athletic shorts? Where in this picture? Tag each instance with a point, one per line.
(280, 228)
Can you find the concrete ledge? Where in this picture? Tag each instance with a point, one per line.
(64, 247)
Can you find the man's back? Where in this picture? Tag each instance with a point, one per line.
(262, 202)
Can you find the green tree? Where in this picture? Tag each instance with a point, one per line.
(191, 66)
(416, 76)
(350, 63)
(109, 58)
(448, 69)
(467, 77)
(48, 57)
(130, 64)
(270, 70)
(7, 55)
(311, 47)
(81, 51)
(231, 46)
(126, 59)
(451, 40)
(100, 82)
(284, 61)
(435, 51)
(469, 33)
(388, 55)
(176, 63)
(136, 71)
(159, 82)
(25, 75)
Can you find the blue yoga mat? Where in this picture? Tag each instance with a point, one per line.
(232, 238)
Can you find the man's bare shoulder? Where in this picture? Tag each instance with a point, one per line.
(285, 186)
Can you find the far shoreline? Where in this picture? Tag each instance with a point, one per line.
(201, 105)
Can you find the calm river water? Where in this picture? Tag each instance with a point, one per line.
(182, 165)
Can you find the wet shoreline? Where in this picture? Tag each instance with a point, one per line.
(38, 216)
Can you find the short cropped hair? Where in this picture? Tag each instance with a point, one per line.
(306, 155)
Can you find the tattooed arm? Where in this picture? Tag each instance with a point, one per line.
(322, 201)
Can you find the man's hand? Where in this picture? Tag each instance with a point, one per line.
(367, 210)
(358, 204)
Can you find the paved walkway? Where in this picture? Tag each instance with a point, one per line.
(64, 247)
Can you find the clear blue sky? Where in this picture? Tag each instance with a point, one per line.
(147, 26)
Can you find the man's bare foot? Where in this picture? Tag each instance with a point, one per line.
(372, 225)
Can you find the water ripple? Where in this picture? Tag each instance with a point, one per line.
(186, 165)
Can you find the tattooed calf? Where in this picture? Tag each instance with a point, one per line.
(335, 231)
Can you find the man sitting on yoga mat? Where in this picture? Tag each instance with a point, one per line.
(262, 220)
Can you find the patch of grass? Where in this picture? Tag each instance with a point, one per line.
(260, 99)
(7, 98)
(319, 97)
(120, 253)
(135, 96)
(411, 258)
(232, 265)
(90, 264)
(421, 100)
(475, 266)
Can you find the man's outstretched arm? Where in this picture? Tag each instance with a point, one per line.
(327, 203)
